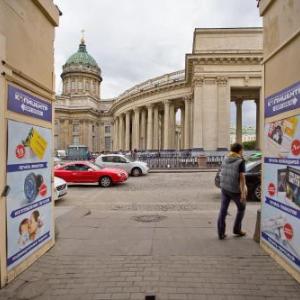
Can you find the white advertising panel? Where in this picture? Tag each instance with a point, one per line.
(280, 224)
(29, 199)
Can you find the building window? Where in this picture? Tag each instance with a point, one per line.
(107, 143)
(87, 85)
(107, 129)
(75, 140)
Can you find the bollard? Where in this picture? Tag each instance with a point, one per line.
(256, 236)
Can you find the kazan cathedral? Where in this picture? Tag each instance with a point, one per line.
(185, 110)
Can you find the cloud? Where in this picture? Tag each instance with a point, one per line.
(135, 40)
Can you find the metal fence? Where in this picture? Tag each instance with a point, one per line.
(181, 160)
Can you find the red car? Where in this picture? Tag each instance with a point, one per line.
(87, 172)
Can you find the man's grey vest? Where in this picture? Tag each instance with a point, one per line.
(230, 175)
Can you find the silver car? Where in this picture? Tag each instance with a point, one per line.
(119, 161)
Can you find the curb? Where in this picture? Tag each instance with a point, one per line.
(182, 170)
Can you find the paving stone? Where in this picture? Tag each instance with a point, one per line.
(106, 255)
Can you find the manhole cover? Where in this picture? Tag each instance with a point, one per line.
(148, 218)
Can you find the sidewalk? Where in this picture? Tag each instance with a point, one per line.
(110, 255)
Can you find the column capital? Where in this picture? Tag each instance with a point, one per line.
(198, 80)
(167, 102)
(150, 105)
(187, 98)
(137, 109)
(127, 113)
(222, 81)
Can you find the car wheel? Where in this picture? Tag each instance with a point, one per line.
(136, 172)
(105, 181)
(257, 192)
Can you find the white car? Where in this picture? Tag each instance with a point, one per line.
(119, 161)
(61, 188)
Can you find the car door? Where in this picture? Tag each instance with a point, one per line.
(107, 161)
(84, 173)
(122, 163)
(67, 173)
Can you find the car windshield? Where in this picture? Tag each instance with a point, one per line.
(250, 165)
(129, 158)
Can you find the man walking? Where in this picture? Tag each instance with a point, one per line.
(233, 187)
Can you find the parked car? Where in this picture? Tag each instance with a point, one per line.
(61, 188)
(132, 167)
(255, 156)
(87, 172)
(253, 180)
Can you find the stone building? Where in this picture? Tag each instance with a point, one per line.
(80, 117)
(187, 109)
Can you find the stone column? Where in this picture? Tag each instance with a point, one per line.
(155, 129)
(239, 121)
(187, 118)
(223, 114)
(257, 124)
(162, 122)
(127, 131)
(116, 134)
(121, 132)
(210, 114)
(166, 124)
(143, 130)
(182, 128)
(136, 127)
(149, 127)
(197, 113)
(172, 133)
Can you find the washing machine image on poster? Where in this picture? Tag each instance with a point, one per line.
(29, 200)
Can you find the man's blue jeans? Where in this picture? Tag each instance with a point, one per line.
(241, 206)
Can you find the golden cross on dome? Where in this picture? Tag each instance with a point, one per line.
(82, 36)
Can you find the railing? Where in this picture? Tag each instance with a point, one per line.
(154, 82)
(182, 160)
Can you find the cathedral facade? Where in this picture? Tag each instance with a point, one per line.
(184, 110)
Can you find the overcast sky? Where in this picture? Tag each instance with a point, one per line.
(135, 40)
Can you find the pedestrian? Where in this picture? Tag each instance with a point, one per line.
(134, 154)
(233, 187)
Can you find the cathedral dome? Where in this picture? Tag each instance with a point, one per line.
(81, 57)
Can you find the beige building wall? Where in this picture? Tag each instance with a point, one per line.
(27, 56)
(281, 64)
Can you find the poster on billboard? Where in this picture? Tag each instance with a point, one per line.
(29, 200)
(282, 138)
(281, 185)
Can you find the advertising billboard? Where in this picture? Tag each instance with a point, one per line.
(29, 199)
(280, 224)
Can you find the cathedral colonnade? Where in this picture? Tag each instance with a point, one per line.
(199, 119)
(154, 127)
